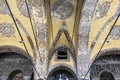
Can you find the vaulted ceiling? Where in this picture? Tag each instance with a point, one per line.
(48, 16)
(61, 12)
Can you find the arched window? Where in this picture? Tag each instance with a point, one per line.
(106, 76)
(16, 75)
(62, 53)
(62, 73)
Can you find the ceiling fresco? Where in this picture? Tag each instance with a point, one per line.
(44, 25)
(59, 12)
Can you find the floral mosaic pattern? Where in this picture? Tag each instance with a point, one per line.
(83, 56)
(115, 34)
(3, 7)
(103, 9)
(86, 15)
(7, 30)
(62, 9)
(22, 7)
(40, 27)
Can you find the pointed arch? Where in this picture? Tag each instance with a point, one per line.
(64, 30)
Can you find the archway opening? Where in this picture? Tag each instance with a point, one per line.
(107, 63)
(62, 73)
(15, 66)
(16, 75)
(106, 76)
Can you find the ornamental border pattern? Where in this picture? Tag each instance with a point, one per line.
(40, 27)
(7, 30)
(111, 51)
(83, 37)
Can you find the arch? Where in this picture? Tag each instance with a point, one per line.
(105, 63)
(110, 51)
(14, 49)
(62, 70)
(49, 68)
(62, 64)
(18, 64)
(16, 74)
(105, 75)
(64, 30)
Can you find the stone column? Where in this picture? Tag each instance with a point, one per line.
(83, 56)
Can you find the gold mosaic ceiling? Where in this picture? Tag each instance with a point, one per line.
(60, 12)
